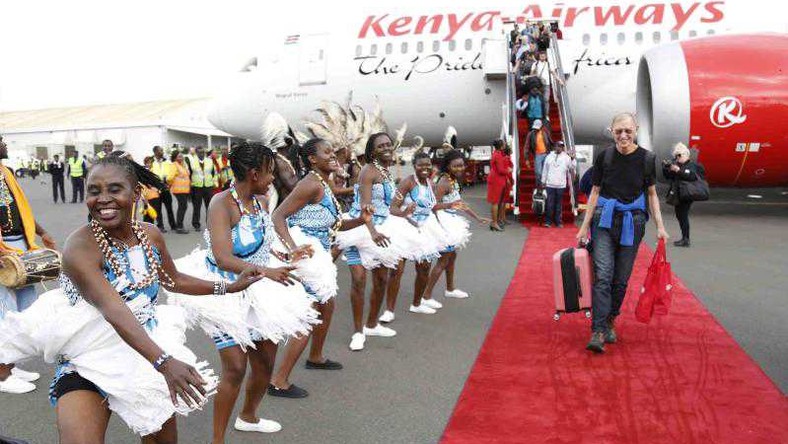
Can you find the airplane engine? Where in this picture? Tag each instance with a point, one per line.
(726, 98)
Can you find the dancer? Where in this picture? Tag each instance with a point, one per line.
(447, 192)
(418, 193)
(117, 351)
(314, 216)
(246, 328)
(386, 240)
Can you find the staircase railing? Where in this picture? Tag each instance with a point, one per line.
(565, 111)
(511, 98)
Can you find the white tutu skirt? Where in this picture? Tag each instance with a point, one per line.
(318, 273)
(52, 328)
(435, 235)
(272, 310)
(456, 227)
(405, 242)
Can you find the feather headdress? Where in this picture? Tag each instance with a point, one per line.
(275, 133)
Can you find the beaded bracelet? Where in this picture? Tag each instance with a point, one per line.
(220, 287)
(160, 361)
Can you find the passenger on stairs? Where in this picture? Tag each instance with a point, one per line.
(542, 70)
(557, 167)
(531, 106)
(624, 178)
(538, 143)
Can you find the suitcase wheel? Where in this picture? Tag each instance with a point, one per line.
(588, 314)
(556, 316)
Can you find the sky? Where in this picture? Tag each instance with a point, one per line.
(62, 53)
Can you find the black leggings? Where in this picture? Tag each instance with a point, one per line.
(183, 203)
(682, 214)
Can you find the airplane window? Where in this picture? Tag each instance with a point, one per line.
(586, 39)
(657, 36)
(674, 35)
(468, 44)
(452, 45)
(693, 33)
(603, 38)
(358, 50)
(373, 50)
(620, 38)
(639, 37)
(420, 46)
(710, 32)
(388, 48)
(436, 45)
(404, 47)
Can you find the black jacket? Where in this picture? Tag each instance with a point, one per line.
(56, 169)
(690, 172)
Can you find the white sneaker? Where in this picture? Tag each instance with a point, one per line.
(357, 341)
(14, 385)
(457, 294)
(262, 426)
(423, 309)
(379, 330)
(387, 316)
(432, 303)
(25, 375)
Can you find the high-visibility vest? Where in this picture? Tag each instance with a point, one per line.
(202, 172)
(75, 166)
(179, 179)
(101, 154)
(161, 169)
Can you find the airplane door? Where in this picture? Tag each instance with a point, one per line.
(312, 61)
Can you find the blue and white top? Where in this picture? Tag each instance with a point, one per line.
(382, 195)
(252, 237)
(136, 268)
(424, 198)
(317, 219)
(452, 196)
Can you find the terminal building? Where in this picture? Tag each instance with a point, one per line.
(132, 127)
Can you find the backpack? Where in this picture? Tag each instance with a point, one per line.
(534, 110)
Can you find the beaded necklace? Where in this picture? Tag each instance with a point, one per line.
(387, 177)
(255, 203)
(105, 242)
(5, 201)
(338, 223)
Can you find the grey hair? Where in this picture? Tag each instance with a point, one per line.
(625, 115)
(682, 149)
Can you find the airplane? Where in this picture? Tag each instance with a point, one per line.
(708, 73)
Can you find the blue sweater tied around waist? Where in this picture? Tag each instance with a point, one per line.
(611, 206)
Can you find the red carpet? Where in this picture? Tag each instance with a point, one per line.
(681, 379)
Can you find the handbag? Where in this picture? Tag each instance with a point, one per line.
(672, 198)
(656, 292)
(695, 191)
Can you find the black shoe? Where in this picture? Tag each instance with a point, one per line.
(610, 335)
(181, 231)
(196, 228)
(293, 391)
(597, 342)
(162, 229)
(682, 243)
(327, 365)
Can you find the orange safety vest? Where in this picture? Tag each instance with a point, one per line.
(180, 182)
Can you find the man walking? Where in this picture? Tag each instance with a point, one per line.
(203, 181)
(57, 169)
(77, 170)
(555, 173)
(161, 167)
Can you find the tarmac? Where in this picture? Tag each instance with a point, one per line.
(403, 389)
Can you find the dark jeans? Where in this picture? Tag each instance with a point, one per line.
(612, 267)
(58, 184)
(183, 203)
(555, 197)
(77, 187)
(200, 196)
(165, 199)
(682, 214)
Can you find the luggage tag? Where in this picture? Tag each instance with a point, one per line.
(246, 231)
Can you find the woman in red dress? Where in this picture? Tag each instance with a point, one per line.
(499, 183)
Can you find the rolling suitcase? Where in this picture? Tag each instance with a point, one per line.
(539, 202)
(572, 281)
